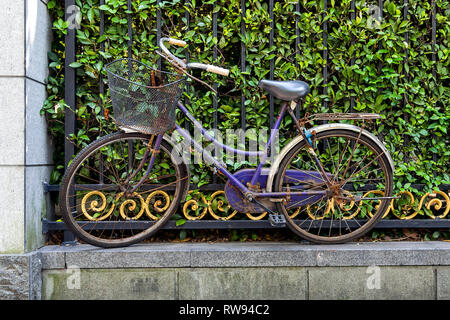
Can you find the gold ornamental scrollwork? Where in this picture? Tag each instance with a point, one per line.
(158, 206)
(94, 206)
(346, 208)
(130, 205)
(127, 205)
(434, 204)
(220, 206)
(437, 204)
(192, 204)
(381, 193)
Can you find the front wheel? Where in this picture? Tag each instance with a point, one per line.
(98, 198)
(361, 186)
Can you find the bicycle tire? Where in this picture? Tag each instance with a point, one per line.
(181, 186)
(384, 163)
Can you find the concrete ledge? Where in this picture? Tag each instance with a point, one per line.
(249, 254)
(266, 283)
(258, 270)
(353, 283)
(443, 283)
(271, 283)
(109, 284)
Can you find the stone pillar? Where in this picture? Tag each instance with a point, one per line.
(25, 149)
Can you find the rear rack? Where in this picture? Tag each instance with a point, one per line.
(343, 116)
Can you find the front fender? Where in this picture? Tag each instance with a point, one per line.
(329, 126)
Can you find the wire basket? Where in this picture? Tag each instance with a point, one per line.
(143, 99)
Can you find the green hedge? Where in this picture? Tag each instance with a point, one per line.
(389, 76)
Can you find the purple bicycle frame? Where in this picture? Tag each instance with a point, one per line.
(262, 154)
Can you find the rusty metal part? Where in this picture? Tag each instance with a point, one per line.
(344, 116)
(304, 121)
(254, 187)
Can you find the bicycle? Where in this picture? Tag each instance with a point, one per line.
(323, 185)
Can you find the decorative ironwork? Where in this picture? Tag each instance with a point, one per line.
(157, 202)
(434, 203)
(128, 204)
(193, 205)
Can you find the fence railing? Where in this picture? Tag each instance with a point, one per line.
(252, 222)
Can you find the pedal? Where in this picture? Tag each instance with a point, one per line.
(277, 220)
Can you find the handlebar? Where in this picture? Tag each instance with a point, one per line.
(177, 42)
(181, 64)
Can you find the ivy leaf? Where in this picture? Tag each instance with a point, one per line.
(180, 222)
(51, 4)
(75, 64)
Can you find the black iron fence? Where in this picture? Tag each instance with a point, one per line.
(70, 99)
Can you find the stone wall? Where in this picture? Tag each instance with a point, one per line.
(20, 276)
(235, 271)
(26, 151)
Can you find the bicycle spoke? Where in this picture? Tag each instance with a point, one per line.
(353, 152)
(106, 214)
(358, 172)
(304, 181)
(346, 180)
(340, 159)
(297, 203)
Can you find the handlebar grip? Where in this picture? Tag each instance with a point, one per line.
(177, 42)
(218, 70)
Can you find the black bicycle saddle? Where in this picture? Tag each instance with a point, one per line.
(285, 90)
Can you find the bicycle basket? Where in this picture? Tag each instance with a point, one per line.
(143, 99)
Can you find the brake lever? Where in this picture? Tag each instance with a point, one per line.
(172, 62)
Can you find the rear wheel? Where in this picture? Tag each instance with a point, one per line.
(361, 179)
(95, 198)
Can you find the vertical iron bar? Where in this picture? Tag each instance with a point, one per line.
(186, 54)
(243, 49)
(325, 67)
(325, 54)
(130, 31)
(433, 50)
(69, 98)
(214, 21)
(69, 87)
(405, 61)
(380, 64)
(433, 35)
(158, 28)
(272, 61)
(380, 6)
(405, 18)
(102, 48)
(297, 48)
(101, 84)
(352, 62)
(130, 52)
